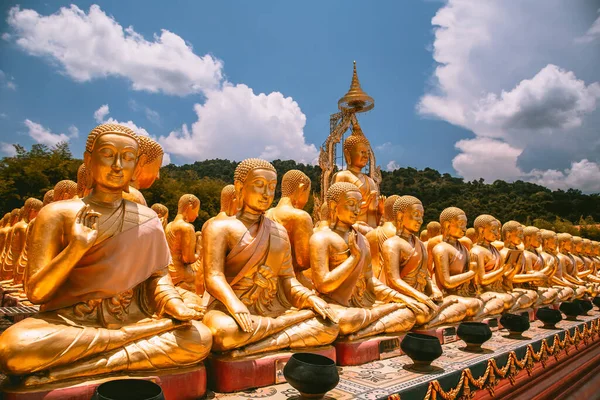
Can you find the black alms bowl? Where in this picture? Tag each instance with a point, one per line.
(571, 309)
(474, 334)
(549, 316)
(585, 305)
(596, 301)
(422, 349)
(310, 374)
(516, 324)
(130, 389)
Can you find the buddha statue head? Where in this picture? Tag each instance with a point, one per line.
(163, 213)
(296, 185)
(512, 233)
(255, 181)
(189, 207)
(565, 242)
(344, 201)
(65, 190)
(587, 246)
(110, 158)
(453, 222)
(31, 208)
(388, 208)
(228, 200)
(150, 161)
(409, 214)
(487, 229)
(471, 234)
(434, 229)
(14, 216)
(596, 248)
(549, 241)
(424, 235)
(577, 244)
(48, 197)
(532, 237)
(82, 189)
(357, 151)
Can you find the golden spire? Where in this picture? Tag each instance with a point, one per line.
(356, 100)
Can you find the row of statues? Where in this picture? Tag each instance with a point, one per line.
(121, 289)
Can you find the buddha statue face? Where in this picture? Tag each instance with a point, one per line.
(536, 239)
(347, 208)
(112, 162)
(412, 218)
(258, 190)
(302, 196)
(587, 247)
(549, 243)
(491, 231)
(358, 155)
(457, 226)
(577, 245)
(567, 245)
(191, 212)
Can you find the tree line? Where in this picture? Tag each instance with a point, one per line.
(30, 173)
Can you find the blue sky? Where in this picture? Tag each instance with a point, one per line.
(516, 99)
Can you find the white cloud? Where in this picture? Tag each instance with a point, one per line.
(235, 123)
(392, 165)
(592, 34)
(101, 113)
(6, 36)
(100, 116)
(43, 135)
(383, 147)
(7, 80)
(94, 45)
(152, 116)
(73, 131)
(166, 159)
(7, 149)
(506, 72)
(582, 174)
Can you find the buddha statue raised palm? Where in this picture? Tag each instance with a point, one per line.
(379, 235)
(356, 153)
(340, 262)
(405, 268)
(455, 276)
(553, 264)
(534, 266)
(97, 268)
(163, 213)
(251, 290)
(568, 266)
(295, 190)
(181, 237)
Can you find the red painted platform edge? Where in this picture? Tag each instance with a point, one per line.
(234, 375)
(363, 351)
(188, 385)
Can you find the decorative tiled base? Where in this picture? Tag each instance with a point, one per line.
(446, 334)
(235, 374)
(363, 351)
(184, 384)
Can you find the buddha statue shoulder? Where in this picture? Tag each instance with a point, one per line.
(251, 289)
(405, 268)
(97, 267)
(341, 270)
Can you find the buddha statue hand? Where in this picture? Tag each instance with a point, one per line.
(240, 314)
(355, 250)
(381, 204)
(321, 307)
(437, 296)
(85, 227)
(177, 309)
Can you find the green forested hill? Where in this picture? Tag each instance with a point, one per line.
(32, 173)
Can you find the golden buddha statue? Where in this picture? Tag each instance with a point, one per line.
(48, 197)
(295, 190)
(97, 268)
(249, 277)
(341, 270)
(84, 180)
(379, 235)
(65, 190)
(534, 265)
(551, 261)
(181, 237)
(587, 254)
(453, 270)
(163, 213)
(472, 235)
(7, 259)
(568, 267)
(356, 153)
(150, 161)
(423, 236)
(5, 225)
(596, 256)
(435, 237)
(512, 236)
(405, 260)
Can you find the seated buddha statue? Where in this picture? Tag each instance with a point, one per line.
(512, 236)
(596, 256)
(255, 303)
(295, 190)
(379, 235)
(97, 268)
(568, 267)
(549, 255)
(583, 265)
(181, 237)
(534, 266)
(7, 259)
(455, 276)
(356, 153)
(405, 268)
(340, 262)
(163, 213)
(434, 230)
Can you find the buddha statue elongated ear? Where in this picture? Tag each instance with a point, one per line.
(89, 179)
(332, 206)
(239, 198)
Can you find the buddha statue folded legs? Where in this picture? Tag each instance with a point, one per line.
(255, 303)
(97, 268)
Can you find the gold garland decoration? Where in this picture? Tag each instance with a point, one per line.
(513, 366)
